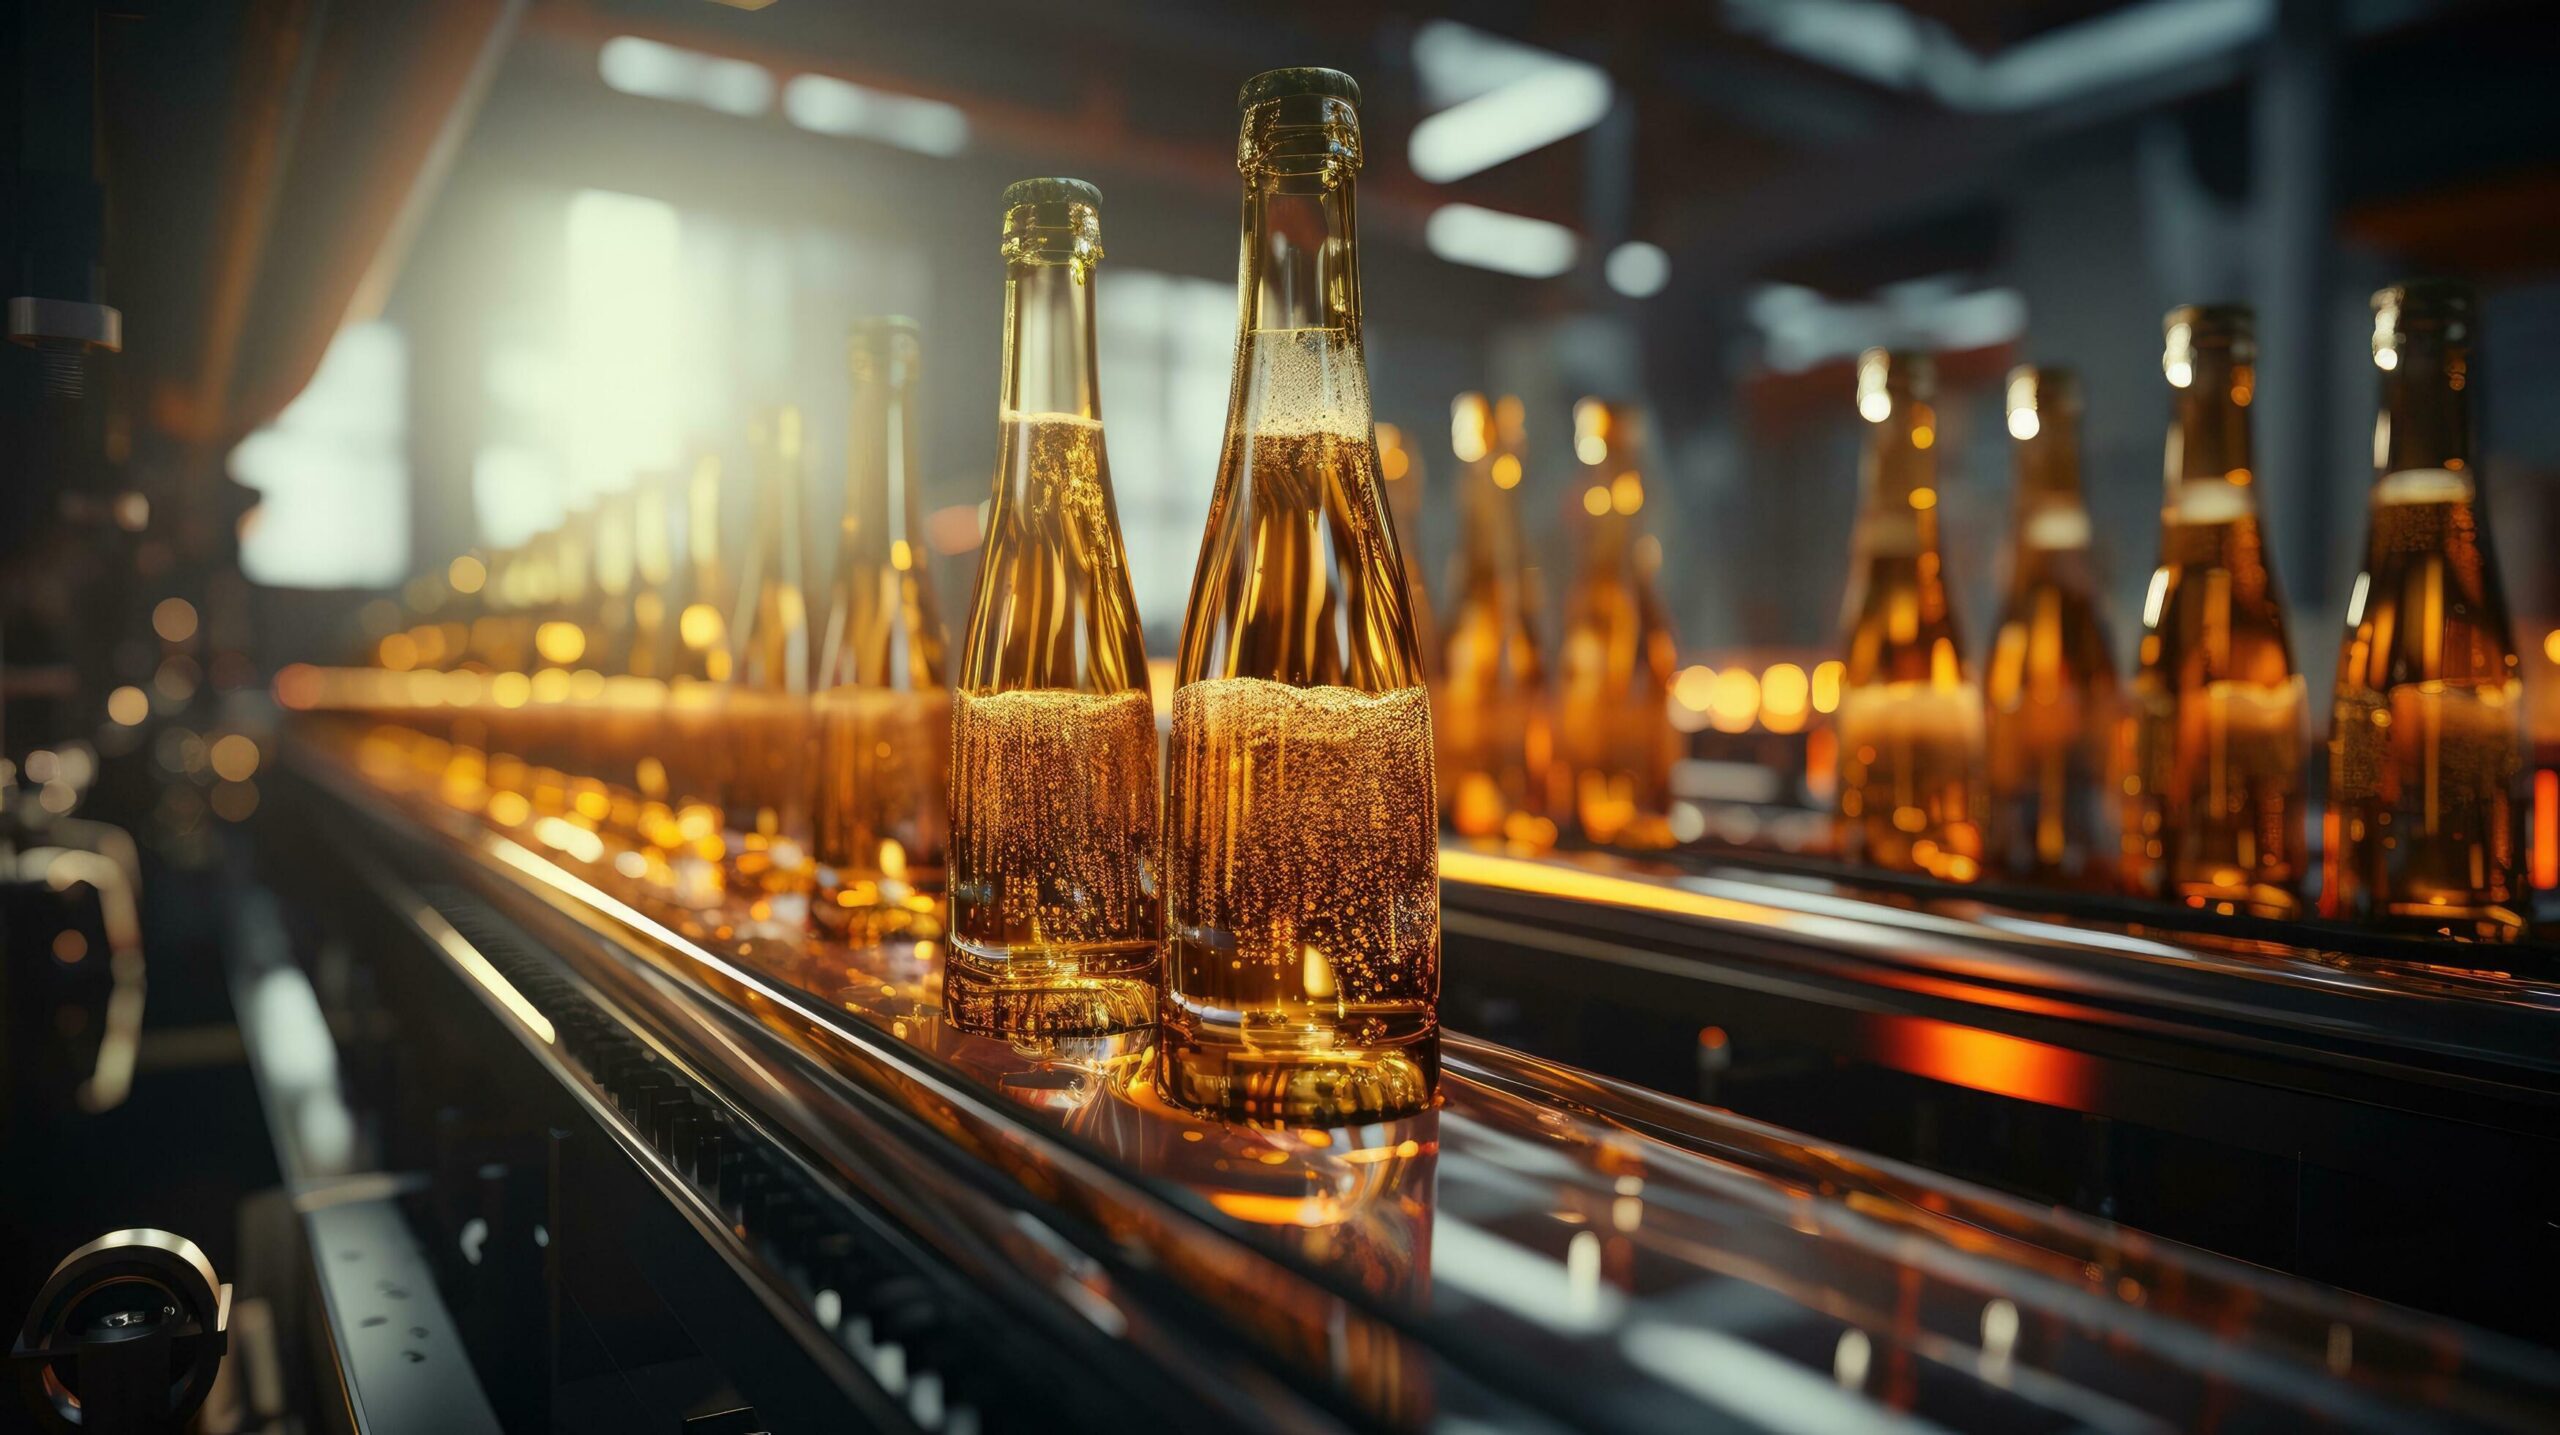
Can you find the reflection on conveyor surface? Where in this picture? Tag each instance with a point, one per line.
(1601, 1255)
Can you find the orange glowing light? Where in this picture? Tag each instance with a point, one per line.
(2546, 828)
(1985, 1060)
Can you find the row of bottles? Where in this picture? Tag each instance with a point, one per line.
(1275, 911)
(2189, 783)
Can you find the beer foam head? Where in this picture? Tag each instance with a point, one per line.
(2208, 500)
(2423, 485)
(1307, 381)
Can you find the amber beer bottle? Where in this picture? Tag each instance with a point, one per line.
(2052, 704)
(1491, 710)
(1613, 728)
(883, 694)
(1910, 719)
(1054, 904)
(1302, 893)
(2214, 793)
(765, 709)
(2425, 745)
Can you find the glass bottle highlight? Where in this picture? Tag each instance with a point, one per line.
(1054, 904)
(2214, 797)
(2424, 832)
(1910, 716)
(2052, 704)
(1302, 893)
(882, 703)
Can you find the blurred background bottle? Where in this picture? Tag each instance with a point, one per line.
(1910, 719)
(883, 701)
(1491, 711)
(1613, 734)
(2051, 704)
(1302, 890)
(1054, 903)
(2214, 813)
(2424, 832)
(765, 708)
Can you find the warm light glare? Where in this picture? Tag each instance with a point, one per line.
(466, 574)
(560, 643)
(1733, 705)
(174, 619)
(1506, 471)
(1595, 499)
(2551, 645)
(1467, 427)
(1826, 685)
(623, 398)
(2023, 424)
(128, 705)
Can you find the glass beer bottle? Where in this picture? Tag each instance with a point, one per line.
(1302, 893)
(764, 711)
(883, 701)
(1613, 733)
(701, 660)
(2051, 701)
(2214, 812)
(1910, 717)
(2425, 741)
(1491, 710)
(1054, 906)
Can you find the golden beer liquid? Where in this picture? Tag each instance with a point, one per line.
(1302, 874)
(2216, 800)
(1495, 741)
(1910, 717)
(1054, 908)
(2426, 741)
(881, 704)
(2052, 704)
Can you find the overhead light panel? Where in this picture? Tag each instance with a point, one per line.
(829, 106)
(657, 71)
(1506, 243)
(1539, 97)
(1891, 45)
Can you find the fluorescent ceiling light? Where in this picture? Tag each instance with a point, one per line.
(1888, 45)
(1637, 269)
(830, 106)
(1801, 328)
(658, 71)
(1504, 100)
(1509, 243)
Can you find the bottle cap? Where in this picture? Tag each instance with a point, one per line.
(1299, 80)
(1053, 191)
(2442, 307)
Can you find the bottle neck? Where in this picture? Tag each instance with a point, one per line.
(2209, 431)
(881, 520)
(1048, 340)
(1898, 470)
(2424, 421)
(2049, 463)
(702, 529)
(1301, 263)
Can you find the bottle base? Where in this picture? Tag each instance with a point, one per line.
(1038, 995)
(1217, 1071)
